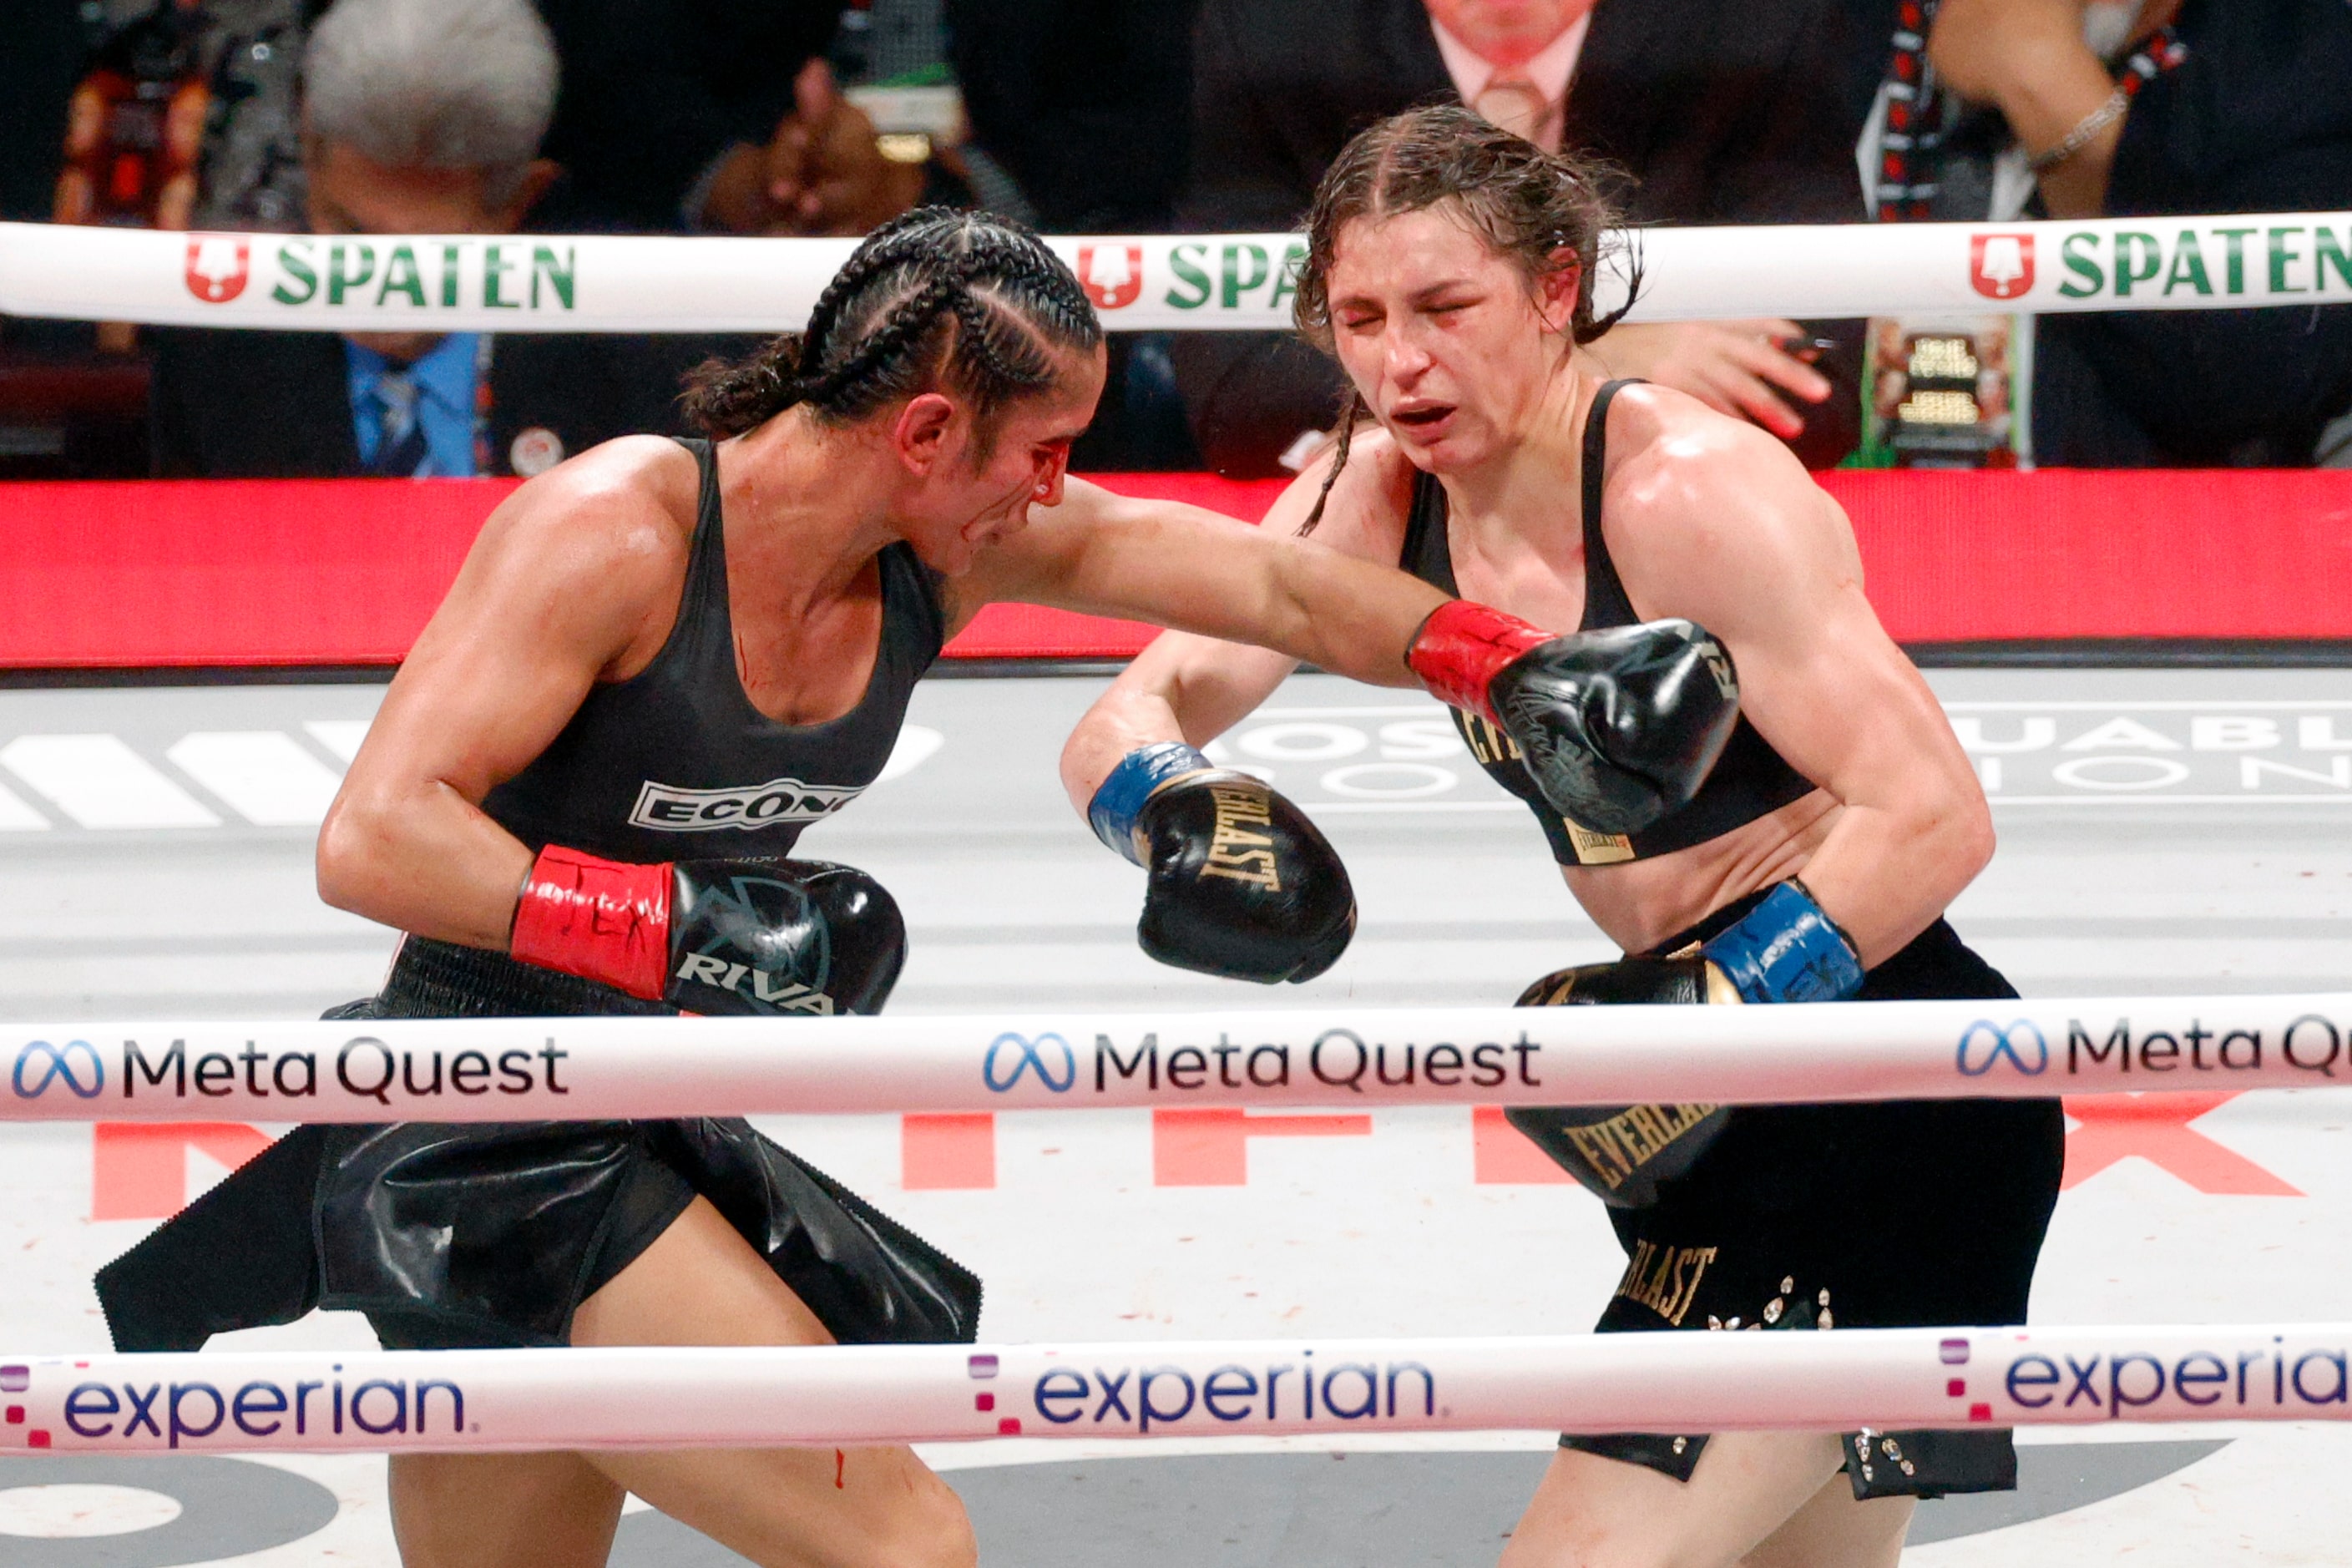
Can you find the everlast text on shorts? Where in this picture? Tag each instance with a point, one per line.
(666, 809)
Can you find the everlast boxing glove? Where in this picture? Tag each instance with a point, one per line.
(1242, 885)
(1618, 727)
(1784, 950)
(781, 937)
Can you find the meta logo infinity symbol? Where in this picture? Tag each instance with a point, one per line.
(55, 1064)
(1983, 1044)
(1030, 1054)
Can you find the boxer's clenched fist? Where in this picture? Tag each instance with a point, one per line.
(1618, 727)
(793, 938)
(1625, 1154)
(1242, 884)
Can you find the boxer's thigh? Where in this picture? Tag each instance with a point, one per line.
(1833, 1530)
(700, 1284)
(1596, 1512)
(502, 1510)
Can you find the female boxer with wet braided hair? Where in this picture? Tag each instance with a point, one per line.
(1448, 268)
(661, 649)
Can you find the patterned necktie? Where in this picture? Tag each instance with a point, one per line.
(400, 450)
(1518, 106)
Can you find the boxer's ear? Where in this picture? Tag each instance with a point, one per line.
(922, 433)
(1558, 287)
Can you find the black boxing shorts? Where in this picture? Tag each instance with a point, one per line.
(488, 1234)
(1907, 1214)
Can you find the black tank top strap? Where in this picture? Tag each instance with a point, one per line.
(1428, 554)
(1605, 601)
(704, 628)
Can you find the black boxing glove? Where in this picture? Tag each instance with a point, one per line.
(1784, 949)
(764, 937)
(1242, 884)
(1618, 727)
(1625, 1153)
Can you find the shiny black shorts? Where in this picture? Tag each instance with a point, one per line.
(1912, 1214)
(460, 1237)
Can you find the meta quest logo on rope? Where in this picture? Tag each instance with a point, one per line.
(365, 1068)
(2311, 1044)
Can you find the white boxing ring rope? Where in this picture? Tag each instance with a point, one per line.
(822, 1396)
(505, 1070)
(583, 1068)
(665, 1397)
(572, 283)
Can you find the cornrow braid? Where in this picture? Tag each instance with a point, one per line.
(933, 298)
(881, 251)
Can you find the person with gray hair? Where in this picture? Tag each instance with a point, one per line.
(418, 117)
(436, 84)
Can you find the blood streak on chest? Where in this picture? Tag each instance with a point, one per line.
(1242, 848)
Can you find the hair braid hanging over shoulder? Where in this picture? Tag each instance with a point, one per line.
(1354, 413)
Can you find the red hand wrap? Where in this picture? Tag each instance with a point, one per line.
(1462, 646)
(601, 919)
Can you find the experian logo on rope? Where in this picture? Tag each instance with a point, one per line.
(1289, 1391)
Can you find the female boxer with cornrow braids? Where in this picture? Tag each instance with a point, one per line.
(1449, 268)
(660, 662)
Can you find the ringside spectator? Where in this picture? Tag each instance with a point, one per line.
(714, 115)
(1084, 104)
(2139, 108)
(1724, 111)
(422, 116)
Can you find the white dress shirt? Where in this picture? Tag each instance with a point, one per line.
(1548, 71)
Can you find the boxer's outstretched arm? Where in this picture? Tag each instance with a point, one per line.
(1197, 571)
(1190, 688)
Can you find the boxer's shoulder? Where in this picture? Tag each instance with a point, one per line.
(1369, 503)
(1701, 510)
(600, 542)
(1664, 445)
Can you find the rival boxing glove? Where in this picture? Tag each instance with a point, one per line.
(773, 937)
(1618, 727)
(1784, 950)
(1242, 884)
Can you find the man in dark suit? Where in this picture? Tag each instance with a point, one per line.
(422, 117)
(2244, 109)
(247, 404)
(1724, 111)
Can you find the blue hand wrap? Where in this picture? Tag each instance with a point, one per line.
(1113, 810)
(1787, 950)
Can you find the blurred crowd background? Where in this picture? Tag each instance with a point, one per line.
(800, 117)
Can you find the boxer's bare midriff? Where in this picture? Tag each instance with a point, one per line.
(1640, 903)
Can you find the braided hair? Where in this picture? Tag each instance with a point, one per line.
(1526, 204)
(935, 298)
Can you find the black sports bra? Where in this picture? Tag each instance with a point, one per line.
(1750, 780)
(675, 762)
